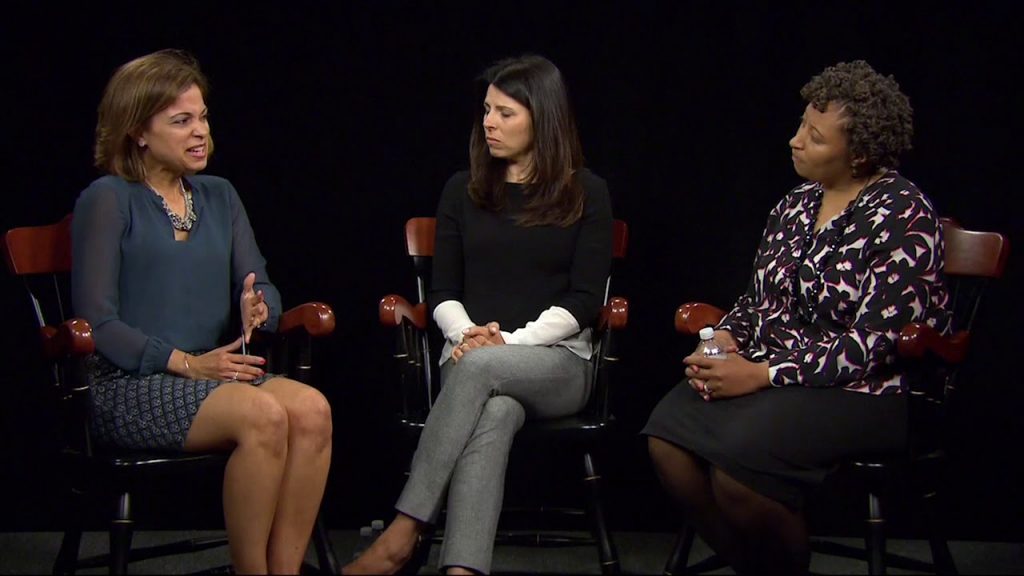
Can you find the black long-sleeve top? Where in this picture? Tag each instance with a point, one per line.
(501, 271)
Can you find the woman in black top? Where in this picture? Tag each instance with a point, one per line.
(847, 259)
(522, 255)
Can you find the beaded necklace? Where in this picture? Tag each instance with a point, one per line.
(179, 223)
(805, 306)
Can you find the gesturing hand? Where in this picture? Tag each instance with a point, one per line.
(477, 336)
(222, 364)
(254, 310)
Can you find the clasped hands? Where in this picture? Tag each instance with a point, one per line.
(718, 378)
(476, 337)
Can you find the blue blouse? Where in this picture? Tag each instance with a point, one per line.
(145, 293)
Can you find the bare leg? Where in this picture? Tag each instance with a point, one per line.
(391, 550)
(776, 536)
(687, 480)
(252, 424)
(305, 472)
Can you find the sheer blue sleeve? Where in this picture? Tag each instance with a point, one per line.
(99, 223)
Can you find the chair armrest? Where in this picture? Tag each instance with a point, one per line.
(73, 338)
(614, 314)
(918, 339)
(393, 309)
(693, 316)
(315, 318)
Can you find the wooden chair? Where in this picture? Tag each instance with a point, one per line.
(584, 432)
(41, 255)
(972, 260)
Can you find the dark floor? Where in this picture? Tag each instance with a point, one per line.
(640, 553)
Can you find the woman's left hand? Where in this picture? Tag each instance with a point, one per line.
(726, 378)
(254, 310)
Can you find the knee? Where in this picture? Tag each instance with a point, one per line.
(265, 423)
(674, 465)
(504, 412)
(309, 418)
(664, 454)
(474, 374)
(478, 362)
(730, 493)
(659, 450)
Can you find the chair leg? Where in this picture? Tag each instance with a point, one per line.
(324, 551)
(875, 540)
(941, 556)
(121, 535)
(677, 562)
(606, 548)
(67, 557)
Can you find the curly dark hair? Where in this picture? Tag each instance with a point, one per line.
(878, 117)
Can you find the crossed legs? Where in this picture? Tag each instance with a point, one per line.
(279, 435)
(464, 448)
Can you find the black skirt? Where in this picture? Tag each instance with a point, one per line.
(151, 412)
(781, 442)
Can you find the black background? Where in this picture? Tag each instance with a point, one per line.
(338, 121)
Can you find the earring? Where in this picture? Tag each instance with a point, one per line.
(142, 143)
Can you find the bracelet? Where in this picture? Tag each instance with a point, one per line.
(188, 369)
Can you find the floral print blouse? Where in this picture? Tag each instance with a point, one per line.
(825, 308)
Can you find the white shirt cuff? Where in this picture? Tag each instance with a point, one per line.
(552, 326)
(452, 319)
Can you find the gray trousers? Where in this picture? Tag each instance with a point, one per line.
(463, 449)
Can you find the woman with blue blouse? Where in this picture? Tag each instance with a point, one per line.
(847, 259)
(161, 256)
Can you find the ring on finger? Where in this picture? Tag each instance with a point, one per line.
(236, 375)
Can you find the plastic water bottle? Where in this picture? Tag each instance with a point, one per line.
(377, 526)
(365, 539)
(708, 346)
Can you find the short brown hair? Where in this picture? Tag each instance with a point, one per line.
(878, 117)
(138, 90)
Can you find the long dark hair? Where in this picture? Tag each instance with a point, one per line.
(555, 197)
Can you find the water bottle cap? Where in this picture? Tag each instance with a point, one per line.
(707, 333)
(377, 524)
(366, 531)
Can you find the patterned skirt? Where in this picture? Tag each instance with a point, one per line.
(151, 412)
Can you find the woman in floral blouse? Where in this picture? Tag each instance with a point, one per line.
(846, 260)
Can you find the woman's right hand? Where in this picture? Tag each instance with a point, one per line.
(727, 343)
(222, 364)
